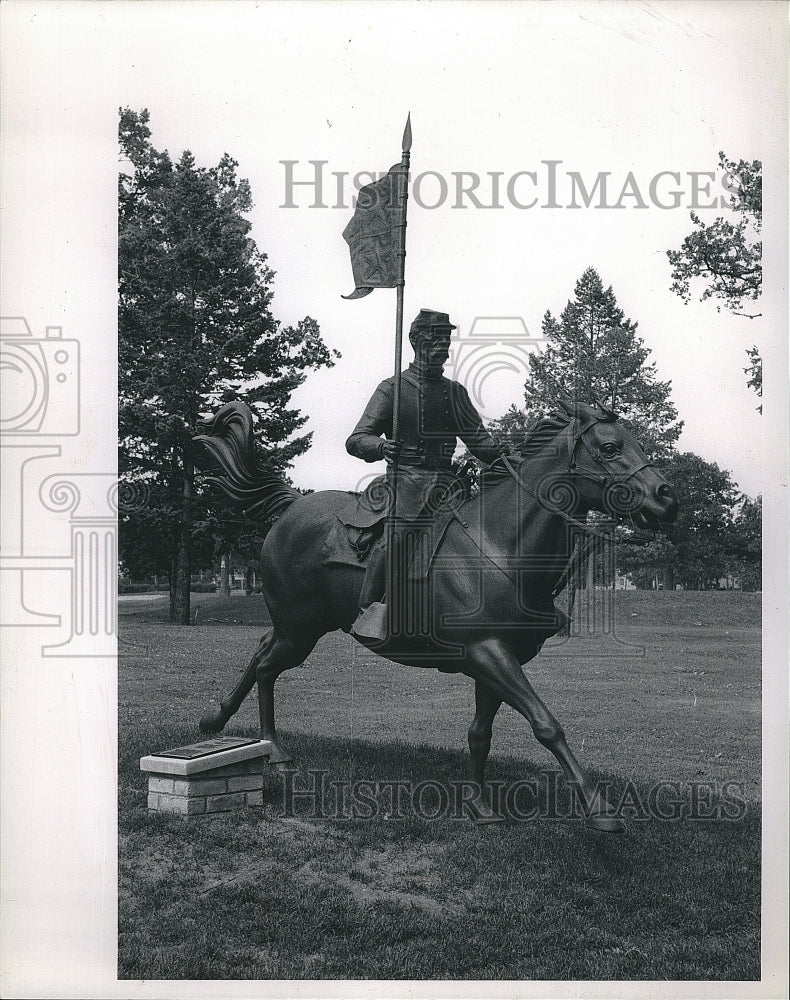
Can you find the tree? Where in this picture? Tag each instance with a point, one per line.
(755, 372)
(651, 566)
(593, 354)
(513, 426)
(746, 544)
(727, 255)
(195, 328)
(699, 549)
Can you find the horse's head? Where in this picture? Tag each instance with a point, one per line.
(611, 472)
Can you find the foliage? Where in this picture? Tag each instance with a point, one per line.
(706, 497)
(651, 565)
(746, 544)
(717, 532)
(727, 255)
(755, 372)
(593, 354)
(512, 427)
(195, 329)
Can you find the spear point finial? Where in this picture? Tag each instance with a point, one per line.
(406, 143)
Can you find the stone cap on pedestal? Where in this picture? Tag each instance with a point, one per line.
(205, 756)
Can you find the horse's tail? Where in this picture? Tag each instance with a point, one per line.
(227, 437)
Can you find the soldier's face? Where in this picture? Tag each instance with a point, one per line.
(434, 348)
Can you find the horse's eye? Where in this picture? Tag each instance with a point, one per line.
(609, 450)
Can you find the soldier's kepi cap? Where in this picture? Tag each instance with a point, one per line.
(428, 319)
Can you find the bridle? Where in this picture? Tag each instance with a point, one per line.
(606, 479)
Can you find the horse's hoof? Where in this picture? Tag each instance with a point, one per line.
(482, 814)
(212, 722)
(488, 820)
(605, 824)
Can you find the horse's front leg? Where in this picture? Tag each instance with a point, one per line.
(491, 662)
(479, 736)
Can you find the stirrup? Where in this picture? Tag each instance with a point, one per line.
(371, 623)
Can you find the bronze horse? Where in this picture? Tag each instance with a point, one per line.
(490, 584)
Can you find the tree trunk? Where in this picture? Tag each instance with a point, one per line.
(224, 585)
(179, 605)
(249, 573)
(669, 578)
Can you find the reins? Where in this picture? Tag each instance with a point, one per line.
(606, 479)
(581, 525)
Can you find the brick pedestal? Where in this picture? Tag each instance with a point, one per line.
(219, 775)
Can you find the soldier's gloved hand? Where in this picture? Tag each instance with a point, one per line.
(390, 450)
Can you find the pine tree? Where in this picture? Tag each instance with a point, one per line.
(195, 328)
(593, 354)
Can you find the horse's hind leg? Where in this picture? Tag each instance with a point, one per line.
(479, 736)
(215, 720)
(280, 656)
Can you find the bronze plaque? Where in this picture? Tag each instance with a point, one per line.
(206, 747)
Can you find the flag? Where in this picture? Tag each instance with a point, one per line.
(373, 235)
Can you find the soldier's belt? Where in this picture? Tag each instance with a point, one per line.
(422, 462)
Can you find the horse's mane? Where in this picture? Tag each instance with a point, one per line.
(545, 430)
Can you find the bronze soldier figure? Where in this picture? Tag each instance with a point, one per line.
(435, 412)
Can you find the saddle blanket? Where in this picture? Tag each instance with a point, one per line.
(359, 526)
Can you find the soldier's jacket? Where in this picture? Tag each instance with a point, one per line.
(434, 413)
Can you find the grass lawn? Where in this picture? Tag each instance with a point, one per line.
(267, 895)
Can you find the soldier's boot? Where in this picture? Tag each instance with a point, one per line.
(372, 620)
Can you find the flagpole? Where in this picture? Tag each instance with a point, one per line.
(403, 179)
(403, 195)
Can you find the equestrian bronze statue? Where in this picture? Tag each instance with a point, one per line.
(481, 569)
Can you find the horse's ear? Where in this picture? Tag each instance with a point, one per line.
(571, 408)
(576, 408)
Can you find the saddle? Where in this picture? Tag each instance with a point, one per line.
(349, 542)
(359, 525)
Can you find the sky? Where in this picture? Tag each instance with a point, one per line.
(638, 87)
(492, 89)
